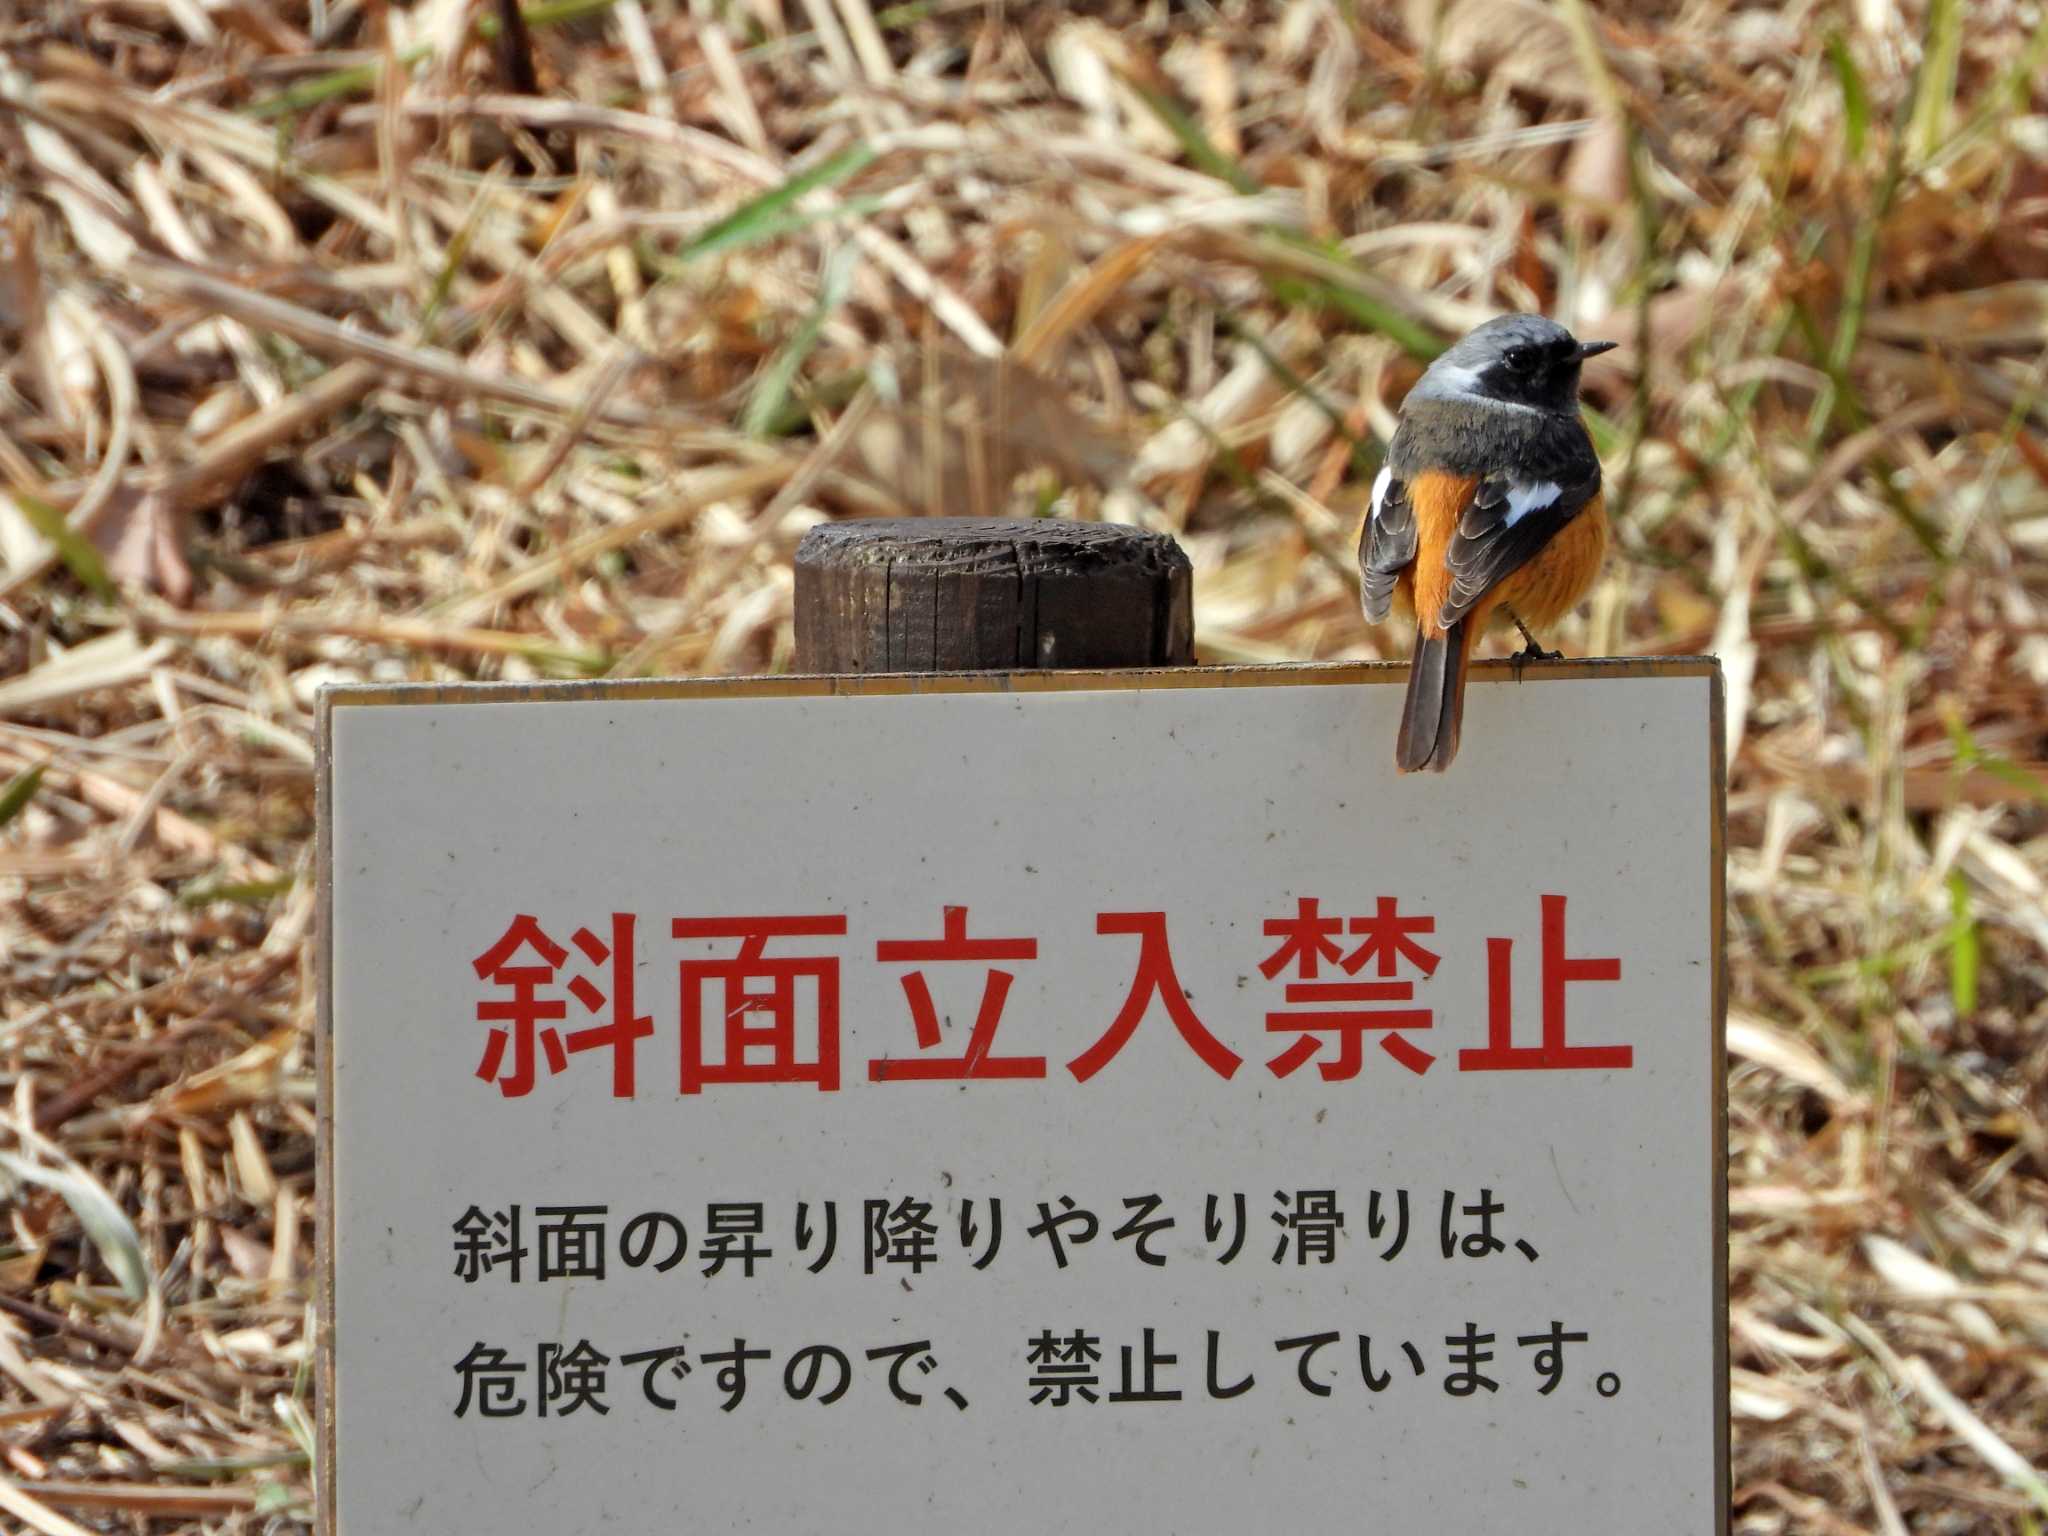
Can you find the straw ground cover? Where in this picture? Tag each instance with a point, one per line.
(348, 341)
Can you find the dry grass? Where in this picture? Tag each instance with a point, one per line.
(343, 341)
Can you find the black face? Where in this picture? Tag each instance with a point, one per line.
(1519, 359)
(1539, 371)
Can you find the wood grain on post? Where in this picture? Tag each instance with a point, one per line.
(971, 594)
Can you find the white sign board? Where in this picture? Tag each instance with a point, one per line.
(1095, 1103)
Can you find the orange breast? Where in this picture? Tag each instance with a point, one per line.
(1550, 586)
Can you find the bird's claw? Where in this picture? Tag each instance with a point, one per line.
(1532, 651)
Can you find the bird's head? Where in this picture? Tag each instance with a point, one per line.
(1521, 360)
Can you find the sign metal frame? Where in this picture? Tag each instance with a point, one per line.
(885, 685)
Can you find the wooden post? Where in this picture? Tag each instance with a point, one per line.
(971, 594)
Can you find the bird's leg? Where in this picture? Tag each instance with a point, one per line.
(1533, 652)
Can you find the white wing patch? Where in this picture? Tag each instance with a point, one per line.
(1524, 499)
(1380, 483)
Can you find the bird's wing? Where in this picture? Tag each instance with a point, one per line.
(1386, 545)
(1508, 520)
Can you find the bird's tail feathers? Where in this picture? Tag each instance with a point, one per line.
(1435, 708)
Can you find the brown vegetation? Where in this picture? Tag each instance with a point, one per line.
(345, 341)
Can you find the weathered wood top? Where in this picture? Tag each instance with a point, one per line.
(970, 594)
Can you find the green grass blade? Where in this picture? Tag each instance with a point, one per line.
(1332, 293)
(1970, 755)
(248, 893)
(355, 80)
(2008, 96)
(549, 13)
(105, 1223)
(1963, 952)
(444, 280)
(829, 392)
(1363, 458)
(1934, 94)
(20, 790)
(73, 547)
(774, 212)
(2012, 773)
(771, 391)
(1855, 97)
(1410, 335)
(1203, 155)
(223, 1469)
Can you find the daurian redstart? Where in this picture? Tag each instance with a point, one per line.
(1489, 501)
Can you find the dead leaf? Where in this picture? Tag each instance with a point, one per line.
(2009, 314)
(1596, 170)
(142, 535)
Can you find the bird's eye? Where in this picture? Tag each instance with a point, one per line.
(1520, 359)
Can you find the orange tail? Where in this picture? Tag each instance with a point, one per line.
(1436, 699)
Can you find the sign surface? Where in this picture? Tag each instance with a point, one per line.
(1064, 1102)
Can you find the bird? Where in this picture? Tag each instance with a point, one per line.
(1489, 500)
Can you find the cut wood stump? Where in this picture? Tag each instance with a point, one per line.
(973, 594)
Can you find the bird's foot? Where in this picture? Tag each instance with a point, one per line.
(1532, 651)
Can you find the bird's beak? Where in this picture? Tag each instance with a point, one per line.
(1595, 348)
